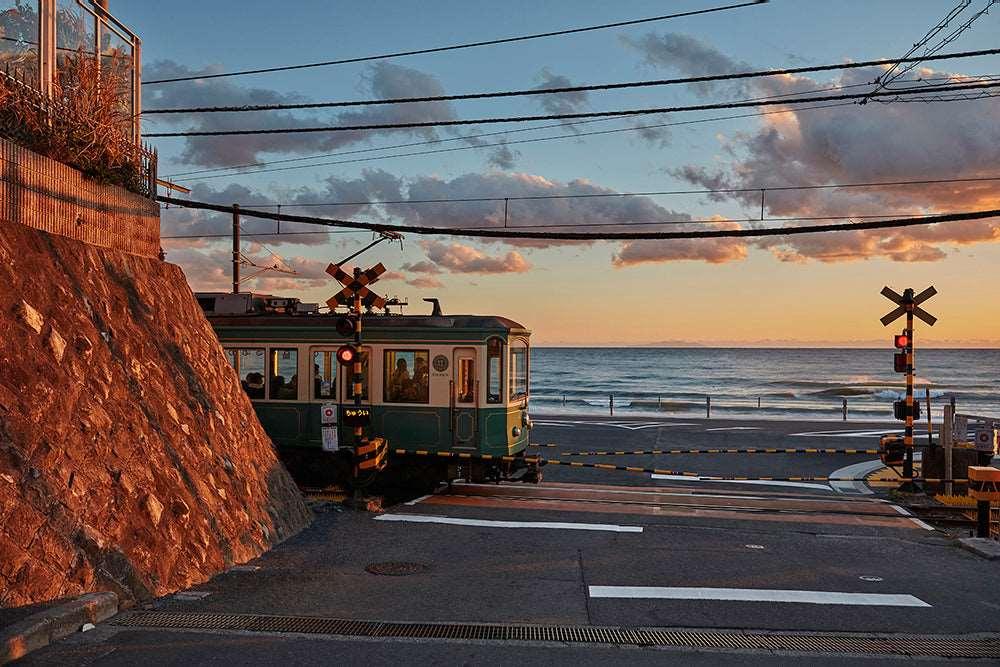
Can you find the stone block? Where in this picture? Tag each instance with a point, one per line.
(29, 317)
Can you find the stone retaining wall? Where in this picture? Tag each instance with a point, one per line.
(130, 458)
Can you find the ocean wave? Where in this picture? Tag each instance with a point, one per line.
(843, 391)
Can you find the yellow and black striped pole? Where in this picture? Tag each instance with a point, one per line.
(908, 432)
(358, 377)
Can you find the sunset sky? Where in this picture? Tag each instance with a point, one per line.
(809, 289)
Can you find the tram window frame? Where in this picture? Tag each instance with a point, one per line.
(389, 361)
(494, 357)
(272, 368)
(235, 361)
(314, 389)
(518, 348)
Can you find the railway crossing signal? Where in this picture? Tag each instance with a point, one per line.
(369, 455)
(356, 287)
(908, 304)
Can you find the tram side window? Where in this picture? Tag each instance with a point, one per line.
(494, 371)
(518, 371)
(284, 378)
(324, 374)
(249, 365)
(407, 376)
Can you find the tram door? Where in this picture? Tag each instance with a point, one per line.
(464, 394)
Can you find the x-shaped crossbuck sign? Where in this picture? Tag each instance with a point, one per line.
(903, 304)
(357, 286)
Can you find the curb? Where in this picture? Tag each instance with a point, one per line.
(981, 546)
(38, 630)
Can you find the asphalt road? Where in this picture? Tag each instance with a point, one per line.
(598, 548)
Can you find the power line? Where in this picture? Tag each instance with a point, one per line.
(242, 235)
(588, 114)
(652, 193)
(568, 89)
(889, 77)
(572, 135)
(455, 47)
(627, 223)
(242, 169)
(603, 236)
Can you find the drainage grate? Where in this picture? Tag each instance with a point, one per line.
(902, 645)
(395, 568)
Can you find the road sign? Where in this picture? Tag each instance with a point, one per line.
(356, 285)
(915, 301)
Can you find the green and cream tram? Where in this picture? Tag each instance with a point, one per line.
(433, 383)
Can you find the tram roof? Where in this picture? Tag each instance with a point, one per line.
(372, 322)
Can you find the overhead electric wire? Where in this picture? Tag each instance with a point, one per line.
(567, 89)
(651, 193)
(516, 142)
(887, 79)
(577, 236)
(241, 168)
(587, 114)
(456, 47)
(245, 169)
(887, 76)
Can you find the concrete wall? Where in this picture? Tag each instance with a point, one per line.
(130, 459)
(39, 192)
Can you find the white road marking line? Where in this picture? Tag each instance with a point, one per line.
(634, 426)
(921, 523)
(688, 494)
(756, 595)
(854, 472)
(844, 434)
(759, 482)
(485, 523)
(417, 500)
(734, 428)
(899, 509)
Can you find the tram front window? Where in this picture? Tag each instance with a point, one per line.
(324, 374)
(518, 371)
(407, 376)
(494, 371)
(284, 374)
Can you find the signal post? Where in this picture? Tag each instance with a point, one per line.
(908, 410)
(369, 454)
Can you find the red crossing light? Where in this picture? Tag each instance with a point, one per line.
(346, 355)
(901, 341)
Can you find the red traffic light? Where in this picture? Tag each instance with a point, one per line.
(347, 354)
(901, 341)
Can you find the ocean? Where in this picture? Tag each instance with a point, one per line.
(788, 383)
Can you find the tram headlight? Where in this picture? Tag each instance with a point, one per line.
(516, 431)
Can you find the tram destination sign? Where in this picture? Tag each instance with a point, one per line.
(356, 285)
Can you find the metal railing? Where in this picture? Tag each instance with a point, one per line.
(53, 128)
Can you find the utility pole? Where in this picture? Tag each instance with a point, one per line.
(236, 248)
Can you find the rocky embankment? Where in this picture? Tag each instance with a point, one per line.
(130, 459)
